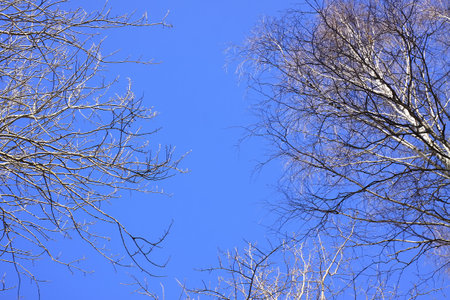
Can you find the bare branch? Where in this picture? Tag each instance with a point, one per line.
(357, 104)
(67, 143)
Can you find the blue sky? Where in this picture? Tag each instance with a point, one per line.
(219, 202)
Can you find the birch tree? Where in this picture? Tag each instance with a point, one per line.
(355, 100)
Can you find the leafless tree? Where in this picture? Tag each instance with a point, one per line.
(67, 142)
(291, 270)
(356, 102)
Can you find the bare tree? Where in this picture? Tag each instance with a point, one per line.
(356, 101)
(67, 143)
(291, 270)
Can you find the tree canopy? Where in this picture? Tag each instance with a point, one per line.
(68, 142)
(355, 99)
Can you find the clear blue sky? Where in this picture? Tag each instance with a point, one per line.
(219, 202)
